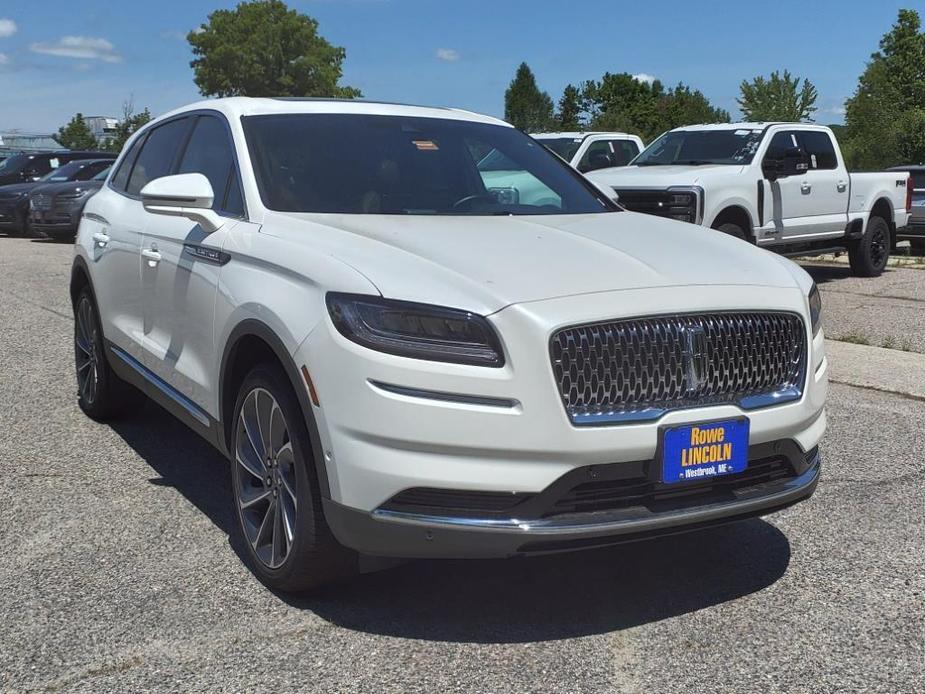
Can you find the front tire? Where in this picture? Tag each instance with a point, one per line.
(276, 494)
(869, 255)
(101, 394)
(732, 230)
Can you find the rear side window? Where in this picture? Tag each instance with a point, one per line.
(820, 150)
(211, 153)
(120, 180)
(157, 155)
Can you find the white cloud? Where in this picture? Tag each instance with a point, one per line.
(84, 47)
(173, 35)
(645, 77)
(7, 28)
(4, 59)
(448, 54)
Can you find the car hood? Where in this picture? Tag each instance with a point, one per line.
(486, 263)
(14, 189)
(66, 187)
(660, 176)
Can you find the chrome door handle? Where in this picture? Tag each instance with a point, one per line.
(152, 256)
(842, 186)
(101, 239)
(805, 188)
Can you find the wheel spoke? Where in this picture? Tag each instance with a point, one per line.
(286, 462)
(266, 526)
(264, 404)
(256, 469)
(287, 522)
(249, 421)
(254, 496)
(278, 553)
(276, 429)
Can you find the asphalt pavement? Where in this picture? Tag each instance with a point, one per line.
(117, 572)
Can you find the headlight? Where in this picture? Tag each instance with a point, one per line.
(419, 331)
(815, 309)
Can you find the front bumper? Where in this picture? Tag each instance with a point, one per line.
(415, 535)
(12, 214)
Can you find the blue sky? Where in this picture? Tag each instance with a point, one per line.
(58, 57)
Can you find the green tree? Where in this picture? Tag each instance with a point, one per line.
(778, 98)
(884, 118)
(76, 134)
(262, 48)
(130, 122)
(525, 106)
(570, 109)
(683, 106)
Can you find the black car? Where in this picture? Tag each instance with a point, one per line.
(31, 166)
(55, 208)
(915, 231)
(14, 199)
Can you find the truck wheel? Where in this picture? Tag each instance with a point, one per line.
(732, 230)
(868, 256)
(277, 499)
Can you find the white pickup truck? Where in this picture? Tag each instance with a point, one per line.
(782, 186)
(593, 150)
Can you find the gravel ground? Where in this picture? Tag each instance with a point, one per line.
(888, 311)
(119, 574)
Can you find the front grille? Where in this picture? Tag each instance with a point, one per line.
(674, 204)
(41, 202)
(637, 369)
(454, 502)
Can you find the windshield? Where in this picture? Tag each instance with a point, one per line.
(565, 147)
(101, 176)
(371, 164)
(68, 172)
(695, 147)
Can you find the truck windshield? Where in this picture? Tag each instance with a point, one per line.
(377, 164)
(14, 164)
(696, 147)
(565, 147)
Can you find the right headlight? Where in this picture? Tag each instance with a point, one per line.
(815, 309)
(419, 331)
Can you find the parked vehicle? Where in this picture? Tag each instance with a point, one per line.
(594, 150)
(14, 199)
(31, 166)
(914, 231)
(55, 208)
(783, 186)
(399, 362)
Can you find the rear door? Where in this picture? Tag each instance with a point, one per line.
(180, 278)
(827, 180)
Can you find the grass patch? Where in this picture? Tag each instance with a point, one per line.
(854, 338)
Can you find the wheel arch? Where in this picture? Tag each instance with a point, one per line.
(80, 278)
(735, 213)
(883, 208)
(249, 343)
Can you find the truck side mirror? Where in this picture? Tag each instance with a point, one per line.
(793, 162)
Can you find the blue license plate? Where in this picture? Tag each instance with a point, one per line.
(697, 452)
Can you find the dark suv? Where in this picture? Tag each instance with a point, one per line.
(915, 232)
(31, 166)
(55, 208)
(14, 198)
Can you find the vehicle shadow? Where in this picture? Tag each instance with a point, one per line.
(827, 273)
(495, 601)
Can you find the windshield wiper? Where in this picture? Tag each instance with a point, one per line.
(694, 162)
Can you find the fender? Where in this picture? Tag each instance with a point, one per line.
(251, 327)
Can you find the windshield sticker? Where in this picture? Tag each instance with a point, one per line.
(54, 163)
(426, 145)
(743, 133)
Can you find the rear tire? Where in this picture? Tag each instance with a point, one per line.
(101, 394)
(732, 230)
(869, 255)
(275, 490)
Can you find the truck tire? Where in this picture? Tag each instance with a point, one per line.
(869, 255)
(732, 230)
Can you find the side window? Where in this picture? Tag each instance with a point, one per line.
(39, 166)
(597, 156)
(157, 155)
(819, 149)
(211, 153)
(780, 143)
(120, 179)
(624, 151)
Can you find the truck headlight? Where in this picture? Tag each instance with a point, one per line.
(418, 331)
(815, 309)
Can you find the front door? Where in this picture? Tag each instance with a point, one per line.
(791, 200)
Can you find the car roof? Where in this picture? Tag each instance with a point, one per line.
(237, 106)
(576, 135)
(748, 125)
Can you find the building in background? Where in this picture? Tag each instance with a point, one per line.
(102, 127)
(15, 141)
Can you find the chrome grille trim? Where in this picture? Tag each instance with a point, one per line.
(637, 369)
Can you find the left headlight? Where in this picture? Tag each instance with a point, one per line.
(419, 331)
(815, 309)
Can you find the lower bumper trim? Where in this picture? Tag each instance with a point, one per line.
(409, 535)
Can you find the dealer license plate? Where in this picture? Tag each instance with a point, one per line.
(697, 452)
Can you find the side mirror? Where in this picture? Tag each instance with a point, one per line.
(606, 190)
(183, 195)
(596, 161)
(793, 163)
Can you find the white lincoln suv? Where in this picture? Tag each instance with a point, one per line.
(401, 360)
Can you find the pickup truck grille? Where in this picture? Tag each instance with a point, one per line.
(638, 369)
(673, 204)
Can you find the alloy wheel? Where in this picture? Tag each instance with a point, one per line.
(265, 478)
(86, 351)
(878, 247)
